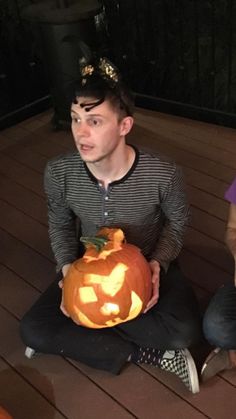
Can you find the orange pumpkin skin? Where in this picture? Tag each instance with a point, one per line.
(108, 286)
(4, 414)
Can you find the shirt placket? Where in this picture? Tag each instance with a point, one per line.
(106, 212)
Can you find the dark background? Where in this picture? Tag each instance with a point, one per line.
(178, 55)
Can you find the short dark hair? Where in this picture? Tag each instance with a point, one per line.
(99, 87)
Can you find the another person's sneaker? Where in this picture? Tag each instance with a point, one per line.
(218, 360)
(181, 363)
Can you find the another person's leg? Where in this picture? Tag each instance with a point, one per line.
(47, 330)
(219, 327)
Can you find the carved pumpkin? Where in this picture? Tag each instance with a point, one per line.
(110, 284)
(4, 414)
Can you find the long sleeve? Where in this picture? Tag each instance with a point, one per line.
(176, 210)
(62, 221)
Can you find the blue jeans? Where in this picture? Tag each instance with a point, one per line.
(219, 322)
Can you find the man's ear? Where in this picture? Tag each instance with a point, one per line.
(126, 125)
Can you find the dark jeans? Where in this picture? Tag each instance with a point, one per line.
(219, 323)
(173, 323)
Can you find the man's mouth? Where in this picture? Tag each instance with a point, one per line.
(85, 147)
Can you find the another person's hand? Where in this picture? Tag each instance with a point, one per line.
(155, 268)
(61, 283)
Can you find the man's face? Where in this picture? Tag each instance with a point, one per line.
(98, 132)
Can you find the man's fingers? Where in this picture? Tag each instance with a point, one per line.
(151, 303)
(64, 310)
(62, 307)
(60, 283)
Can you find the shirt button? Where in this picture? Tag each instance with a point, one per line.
(106, 198)
(105, 213)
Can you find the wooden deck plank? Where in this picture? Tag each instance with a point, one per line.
(212, 205)
(178, 128)
(202, 272)
(14, 133)
(20, 174)
(48, 149)
(145, 138)
(23, 199)
(27, 263)
(205, 182)
(20, 399)
(209, 249)
(16, 294)
(32, 124)
(25, 229)
(208, 152)
(207, 224)
(27, 156)
(217, 400)
(148, 392)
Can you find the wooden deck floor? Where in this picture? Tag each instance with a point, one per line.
(52, 387)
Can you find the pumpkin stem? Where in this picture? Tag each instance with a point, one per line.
(98, 242)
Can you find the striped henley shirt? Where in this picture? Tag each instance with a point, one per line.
(148, 204)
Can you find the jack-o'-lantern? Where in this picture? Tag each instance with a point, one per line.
(110, 284)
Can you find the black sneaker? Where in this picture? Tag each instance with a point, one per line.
(181, 363)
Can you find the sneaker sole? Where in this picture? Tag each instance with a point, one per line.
(192, 372)
(209, 358)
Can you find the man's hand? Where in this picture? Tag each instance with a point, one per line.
(155, 268)
(60, 283)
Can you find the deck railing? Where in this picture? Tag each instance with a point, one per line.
(178, 55)
(180, 51)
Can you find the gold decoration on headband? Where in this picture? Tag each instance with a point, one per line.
(104, 67)
(108, 70)
(87, 70)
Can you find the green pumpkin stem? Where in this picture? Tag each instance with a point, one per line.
(98, 242)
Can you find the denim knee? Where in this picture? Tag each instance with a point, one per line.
(219, 322)
(214, 330)
(218, 330)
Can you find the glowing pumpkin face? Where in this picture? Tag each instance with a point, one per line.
(110, 284)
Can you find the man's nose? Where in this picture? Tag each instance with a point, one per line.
(82, 129)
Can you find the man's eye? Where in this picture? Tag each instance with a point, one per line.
(94, 122)
(76, 120)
